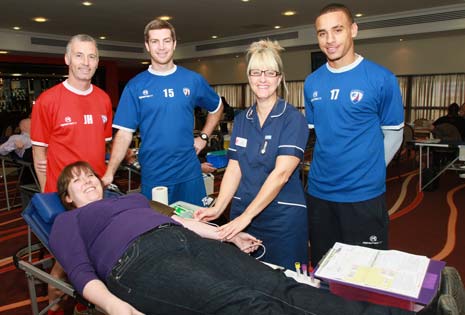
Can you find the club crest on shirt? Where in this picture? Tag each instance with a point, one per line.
(104, 118)
(186, 91)
(356, 96)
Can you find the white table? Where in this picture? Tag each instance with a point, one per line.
(430, 143)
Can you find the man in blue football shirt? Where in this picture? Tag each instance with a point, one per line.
(355, 108)
(160, 103)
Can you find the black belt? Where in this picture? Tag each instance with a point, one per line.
(158, 228)
(165, 225)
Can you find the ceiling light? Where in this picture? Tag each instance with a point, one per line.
(16, 74)
(214, 36)
(401, 39)
(145, 62)
(40, 19)
(359, 15)
(16, 28)
(277, 27)
(165, 17)
(245, 0)
(87, 3)
(289, 13)
(103, 37)
(3, 52)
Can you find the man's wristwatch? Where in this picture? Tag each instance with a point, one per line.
(204, 136)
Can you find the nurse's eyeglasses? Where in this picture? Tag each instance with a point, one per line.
(268, 73)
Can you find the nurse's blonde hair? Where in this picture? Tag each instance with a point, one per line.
(265, 54)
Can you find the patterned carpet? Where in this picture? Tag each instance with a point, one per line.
(427, 223)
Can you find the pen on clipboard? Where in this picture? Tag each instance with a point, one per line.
(323, 261)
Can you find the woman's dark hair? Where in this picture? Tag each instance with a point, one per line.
(65, 178)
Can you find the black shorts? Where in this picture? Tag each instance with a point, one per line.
(362, 223)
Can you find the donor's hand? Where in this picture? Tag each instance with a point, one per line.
(246, 242)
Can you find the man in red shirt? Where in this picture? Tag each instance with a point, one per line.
(71, 122)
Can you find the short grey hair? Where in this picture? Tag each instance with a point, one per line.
(80, 38)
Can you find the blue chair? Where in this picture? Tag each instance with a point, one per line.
(41, 213)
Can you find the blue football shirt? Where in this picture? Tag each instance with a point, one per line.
(162, 106)
(348, 108)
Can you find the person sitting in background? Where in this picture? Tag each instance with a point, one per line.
(453, 118)
(18, 144)
(462, 110)
(169, 265)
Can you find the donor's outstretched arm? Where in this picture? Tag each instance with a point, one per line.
(246, 242)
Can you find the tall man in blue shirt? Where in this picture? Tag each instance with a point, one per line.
(160, 102)
(355, 108)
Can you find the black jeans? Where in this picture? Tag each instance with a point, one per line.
(174, 271)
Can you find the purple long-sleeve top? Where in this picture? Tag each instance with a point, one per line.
(89, 240)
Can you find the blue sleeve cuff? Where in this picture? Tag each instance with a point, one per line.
(232, 153)
(291, 150)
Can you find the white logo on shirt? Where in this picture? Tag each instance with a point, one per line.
(241, 142)
(68, 121)
(373, 240)
(145, 94)
(104, 118)
(186, 91)
(315, 97)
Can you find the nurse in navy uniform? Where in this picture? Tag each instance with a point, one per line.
(262, 177)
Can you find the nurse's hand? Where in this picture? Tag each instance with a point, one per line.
(207, 214)
(228, 231)
(246, 242)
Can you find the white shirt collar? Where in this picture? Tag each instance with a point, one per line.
(170, 71)
(358, 60)
(77, 91)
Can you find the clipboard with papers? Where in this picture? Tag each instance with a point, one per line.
(380, 274)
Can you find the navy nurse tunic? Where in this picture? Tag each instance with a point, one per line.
(282, 225)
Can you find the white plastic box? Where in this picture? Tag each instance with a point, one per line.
(209, 180)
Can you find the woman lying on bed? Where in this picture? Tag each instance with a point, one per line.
(122, 256)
